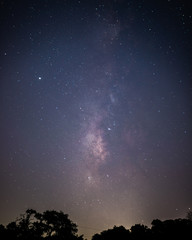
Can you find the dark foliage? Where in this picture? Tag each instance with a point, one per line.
(172, 229)
(115, 233)
(50, 225)
(160, 230)
(53, 225)
(189, 215)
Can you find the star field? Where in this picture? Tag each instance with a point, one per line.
(96, 100)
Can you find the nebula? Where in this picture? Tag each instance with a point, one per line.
(94, 146)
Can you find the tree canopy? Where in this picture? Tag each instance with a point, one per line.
(53, 225)
(160, 230)
(35, 226)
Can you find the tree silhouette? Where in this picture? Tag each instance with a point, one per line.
(139, 231)
(189, 215)
(172, 229)
(53, 225)
(115, 233)
(58, 225)
(2, 232)
(49, 225)
(160, 230)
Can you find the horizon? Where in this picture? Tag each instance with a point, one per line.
(92, 230)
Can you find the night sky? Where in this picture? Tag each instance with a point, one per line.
(96, 110)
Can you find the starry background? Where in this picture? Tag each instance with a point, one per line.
(96, 113)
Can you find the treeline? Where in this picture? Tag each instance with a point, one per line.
(160, 230)
(53, 225)
(49, 225)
